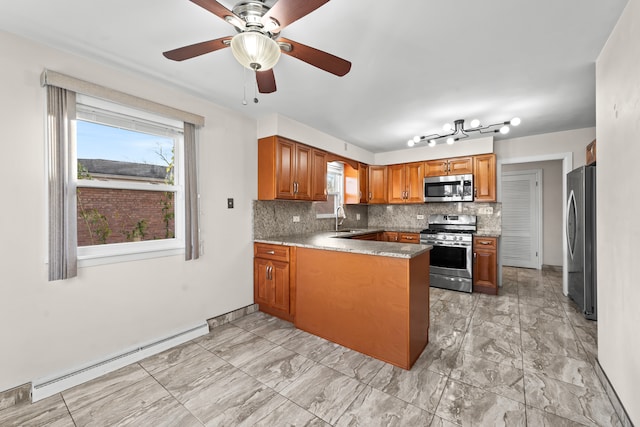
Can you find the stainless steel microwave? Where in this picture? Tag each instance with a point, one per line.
(448, 188)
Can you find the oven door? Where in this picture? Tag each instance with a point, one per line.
(451, 259)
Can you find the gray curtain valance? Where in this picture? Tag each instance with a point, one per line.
(53, 78)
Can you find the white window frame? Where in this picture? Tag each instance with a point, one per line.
(339, 200)
(104, 112)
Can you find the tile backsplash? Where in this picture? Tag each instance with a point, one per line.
(407, 215)
(275, 217)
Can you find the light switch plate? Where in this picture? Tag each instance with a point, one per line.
(230, 203)
(296, 218)
(357, 217)
(420, 216)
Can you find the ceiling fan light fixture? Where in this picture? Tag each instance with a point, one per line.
(255, 50)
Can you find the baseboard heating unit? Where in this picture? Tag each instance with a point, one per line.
(46, 387)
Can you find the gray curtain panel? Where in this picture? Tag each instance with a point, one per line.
(192, 227)
(62, 184)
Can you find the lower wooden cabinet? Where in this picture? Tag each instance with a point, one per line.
(272, 280)
(485, 265)
(370, 236)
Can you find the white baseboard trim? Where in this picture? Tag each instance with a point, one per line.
(45, 387)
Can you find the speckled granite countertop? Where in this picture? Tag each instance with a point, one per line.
(332, 241)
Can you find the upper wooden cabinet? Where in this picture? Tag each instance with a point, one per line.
(454, 166)
(377, 184)
(363, 182)
(406, 183)
(290, 170)
(591, 152)
(484, 170)
(319, 175)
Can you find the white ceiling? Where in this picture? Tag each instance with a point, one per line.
(417, 64)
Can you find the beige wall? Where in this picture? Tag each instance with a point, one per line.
(47, 328)
(552, 237)
(618, 132)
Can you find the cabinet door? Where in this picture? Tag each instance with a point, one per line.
(414, 182)
(377, 184)
(260, 281)
(285, 168)
(435, 168)
(485, 269)
(279, 286)
(319, 180)
(397, 187)
(363, 182)
(460, 166)
(271, 284)
(484, 178)
(303, 170)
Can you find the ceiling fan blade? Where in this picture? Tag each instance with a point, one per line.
(266, 81)
(289, 11)
(188, 52)
(318, 58)
(214, 7)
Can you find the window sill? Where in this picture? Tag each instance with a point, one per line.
(125, 252)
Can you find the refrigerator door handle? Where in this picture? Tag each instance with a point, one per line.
(571, 205)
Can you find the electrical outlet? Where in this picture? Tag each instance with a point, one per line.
(357, 217)
(419, 216)
(296, 218)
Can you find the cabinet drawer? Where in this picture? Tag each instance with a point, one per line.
(274, 252)
(409, 238)
(484, 243)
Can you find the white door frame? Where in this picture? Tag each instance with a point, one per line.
(567, 166)
(539, 212)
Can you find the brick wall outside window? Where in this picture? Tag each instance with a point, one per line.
(117, 210)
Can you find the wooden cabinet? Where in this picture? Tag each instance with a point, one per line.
(591, 153)
(289, 170)
(485, 265)
(406, 183)
(272, 280)
(319, 175)
(484, 178)
(363, 182)
(377, 184)
(454, 166)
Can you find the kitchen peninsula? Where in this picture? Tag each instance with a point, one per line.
(370, 296)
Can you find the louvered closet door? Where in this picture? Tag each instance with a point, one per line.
(521, 218)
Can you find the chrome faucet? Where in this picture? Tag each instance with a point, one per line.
(343, 216)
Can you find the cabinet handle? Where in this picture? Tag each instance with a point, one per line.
(370, 196)
(270, 272)
(408, 237)
(295, 188)
(475, 191)
(271, 252)
(475, 255)
(484, 243)
(448, 167)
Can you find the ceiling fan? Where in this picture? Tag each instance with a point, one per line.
(258, 44)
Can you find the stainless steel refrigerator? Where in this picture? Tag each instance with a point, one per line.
(581, 239)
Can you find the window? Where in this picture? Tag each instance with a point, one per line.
(335, 191)
(130, 200)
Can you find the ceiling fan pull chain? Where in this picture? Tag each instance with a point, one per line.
(244, 86)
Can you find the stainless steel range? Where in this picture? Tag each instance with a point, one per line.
(452, 255)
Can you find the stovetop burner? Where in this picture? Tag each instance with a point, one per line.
(440, 223)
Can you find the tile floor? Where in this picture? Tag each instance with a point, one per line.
(524, 358)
